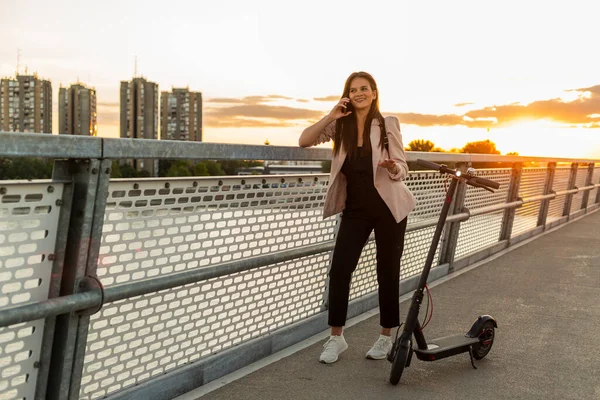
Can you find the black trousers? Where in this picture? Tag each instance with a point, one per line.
(353, 234)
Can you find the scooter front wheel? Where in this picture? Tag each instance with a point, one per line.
(399, 361)
(486, 340)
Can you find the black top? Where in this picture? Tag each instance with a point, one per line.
(362, 197)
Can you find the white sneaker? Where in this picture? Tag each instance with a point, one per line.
(381, 348)
(335, 346)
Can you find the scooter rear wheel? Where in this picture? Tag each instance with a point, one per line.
(486, 340)
(399, 362)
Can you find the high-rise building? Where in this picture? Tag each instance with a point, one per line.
(139, 116)
(181, 115)
(25, 104)
(77, 111)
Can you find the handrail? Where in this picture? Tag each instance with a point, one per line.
(17, 144)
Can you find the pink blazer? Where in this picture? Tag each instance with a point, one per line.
(391, 187)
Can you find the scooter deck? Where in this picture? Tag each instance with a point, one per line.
(445, 347)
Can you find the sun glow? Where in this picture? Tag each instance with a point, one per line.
(543, 137)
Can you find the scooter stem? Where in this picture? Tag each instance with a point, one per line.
(413, 313)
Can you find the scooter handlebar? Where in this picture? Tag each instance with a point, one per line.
(428, 164)
(487, 182)
(475, 179)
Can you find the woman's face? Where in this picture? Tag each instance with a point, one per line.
(361, 95)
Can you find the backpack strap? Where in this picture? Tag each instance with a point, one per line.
(385, 137)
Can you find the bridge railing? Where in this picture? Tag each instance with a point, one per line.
(123, 288)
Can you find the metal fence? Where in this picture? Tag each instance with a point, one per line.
(130, 288)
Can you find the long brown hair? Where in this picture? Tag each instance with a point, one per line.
(346, 129)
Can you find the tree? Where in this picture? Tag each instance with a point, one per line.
(214, 168)
(115, 170)
(481, 147)
(200, 169)
(512, 153)
(421, 145)
(127, 171)
(26, 168)
(230, 167)
(164, 166)
(180, 168)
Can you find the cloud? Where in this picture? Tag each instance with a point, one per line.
(109, 117)
(279, 97)
(108, 113)
(258, 115)
(428, 119)
(328, 98)
(108, 104)
(261, 111)
(593, 89)
(225, 101)
(249, 99)
(240, 122)
(583, 111)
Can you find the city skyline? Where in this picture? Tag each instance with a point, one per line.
(446, 70)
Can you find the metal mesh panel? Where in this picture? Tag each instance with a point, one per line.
(156, 227)
(135, 339)
(561, 182)
(28, 231)
(416, 247)
(428, 189)
(576, 202)
(532, 184)
(483, 230)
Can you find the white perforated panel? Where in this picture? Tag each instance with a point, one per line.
(483, 230)
(561, 182)
(532, 184)
(28, 225)
(132, 340)
(157, 227)
(582, 172)
(430, 192)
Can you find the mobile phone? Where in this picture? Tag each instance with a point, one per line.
(349, 107)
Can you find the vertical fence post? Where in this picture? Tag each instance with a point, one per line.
(571, 185)
(451, 230)
(65, 205)
(588, 182)
(598, 194)
(90, 188)
(545, 204)
(513, 194)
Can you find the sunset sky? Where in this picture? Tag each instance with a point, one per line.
(525, 74)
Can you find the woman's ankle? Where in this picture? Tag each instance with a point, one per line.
(337, 330)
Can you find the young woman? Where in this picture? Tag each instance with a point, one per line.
(366, 184)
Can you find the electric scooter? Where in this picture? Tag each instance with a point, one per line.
(479, 339)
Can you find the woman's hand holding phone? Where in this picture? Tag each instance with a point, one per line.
(341, 109)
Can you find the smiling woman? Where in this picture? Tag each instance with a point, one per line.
(365, 185)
